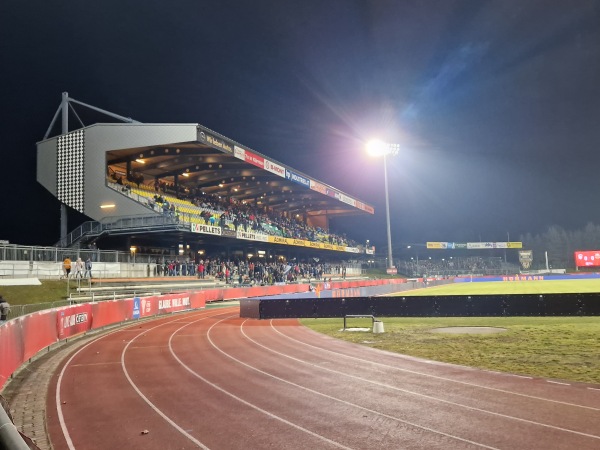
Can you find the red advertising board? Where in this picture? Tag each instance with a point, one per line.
(11, 349)
(38, 330)
(73, 320)
(111, 311)
(590, 258)
(254, 159)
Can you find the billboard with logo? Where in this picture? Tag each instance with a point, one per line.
(590, 258)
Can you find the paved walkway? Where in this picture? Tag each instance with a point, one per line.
(26, 391)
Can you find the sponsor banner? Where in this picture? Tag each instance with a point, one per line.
(206, 229)
(480, 245)
(239, 153)
(341, 248)
(275, 168)
(315, 186)
(314, 244)
(437, 245)
(328, 246)
(73, 320)
(148, 306)
(332, 193)
(278, 240)
(136, 308)
(473, 245)
(587, 258)
(524, 278)
(218, 143)
(351, 249)
(229, 233)
(251, 236)
(254, 159)
(297, 178)
(364, 207)
(299, 242)
(348, 200)
(370, 251)
(173, 302)
(391, 270)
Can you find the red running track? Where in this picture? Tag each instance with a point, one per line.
(213, 380)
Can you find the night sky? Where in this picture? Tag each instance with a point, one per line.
(495, 104)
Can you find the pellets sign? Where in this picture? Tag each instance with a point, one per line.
(206, 229)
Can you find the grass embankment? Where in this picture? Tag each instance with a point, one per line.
(48, 291)
(565, 348)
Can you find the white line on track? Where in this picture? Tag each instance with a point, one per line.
(58, 397)
(437, 377)
(418, 394)
(345, 402)
(241, 400)
(148, 402)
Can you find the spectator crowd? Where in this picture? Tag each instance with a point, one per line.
(250, 272)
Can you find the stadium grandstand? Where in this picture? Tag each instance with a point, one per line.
(183, 190)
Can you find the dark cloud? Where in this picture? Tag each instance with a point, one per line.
(495, 104)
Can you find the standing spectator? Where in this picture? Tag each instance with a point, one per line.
(4, 309)
(67, 266)
(79, 268)
(88, 268)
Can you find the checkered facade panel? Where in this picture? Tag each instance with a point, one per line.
(69, 173)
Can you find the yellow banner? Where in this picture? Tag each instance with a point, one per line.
(514, 245)
(437, 245)
(279, 240)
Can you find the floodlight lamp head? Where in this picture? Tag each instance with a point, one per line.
(375, 147)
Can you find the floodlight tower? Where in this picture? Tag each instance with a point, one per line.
(376, 148)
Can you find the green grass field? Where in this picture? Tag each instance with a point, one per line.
(510, 287)
(565, 348)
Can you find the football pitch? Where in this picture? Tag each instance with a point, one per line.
(560, 348)
(509, 287)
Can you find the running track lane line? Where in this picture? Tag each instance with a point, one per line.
(354, 405)
(437, 377)
(406, 391)
(241, 400)
(61, 419)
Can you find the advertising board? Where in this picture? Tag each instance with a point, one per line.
(590, 258)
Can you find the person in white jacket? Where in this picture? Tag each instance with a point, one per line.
(79, 266)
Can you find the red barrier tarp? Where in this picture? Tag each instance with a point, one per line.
(73, 320)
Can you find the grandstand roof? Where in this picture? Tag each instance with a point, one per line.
(220, 166)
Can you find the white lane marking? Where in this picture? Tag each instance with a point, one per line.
(58, 397)
(436, 399)
(143, 397)
(515, 375)
(241, 400)
(345, 402)
(437, 377)
(558, 382)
